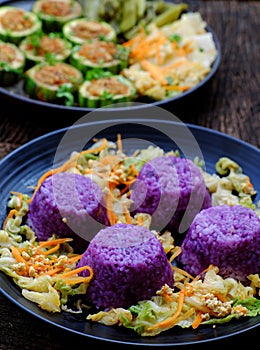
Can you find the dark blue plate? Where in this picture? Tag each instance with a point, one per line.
(22, 167)
(17, 92)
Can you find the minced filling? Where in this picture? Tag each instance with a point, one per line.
(56, 8)
(47, 45)
(111, 85)
(98, 51)
(57, 74)
(89, 30)
(16, 20)
(7, 53)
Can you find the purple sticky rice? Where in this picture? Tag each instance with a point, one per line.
(225, 236)
(129, 265)
(172, 190)
(67, 205)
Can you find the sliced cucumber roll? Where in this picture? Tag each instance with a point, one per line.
(46, 82)
(55, 13)
(40, 48)
(104, 91)
(100, 54)
(12, 63)
(81, 30)
(16, 24)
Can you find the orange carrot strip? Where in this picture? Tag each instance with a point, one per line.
(17, 255)
(73, 259)
(52, 250)
(76, 271)
(197, 321)
(132, 168)
(52, 272)
(54, 242)
(169, 321)
(174, 65)
(111, 215)
(11, 213)
(221, 297)
(155, 71)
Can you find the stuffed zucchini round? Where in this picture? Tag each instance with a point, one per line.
(45, 48)
(104, 91)
(100, 54)
(16, 24)
(55, 13)
(45, 82)
(81, 30)
(12, 62)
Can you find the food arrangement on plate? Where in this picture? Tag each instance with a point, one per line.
(91, 55)
(171, 244)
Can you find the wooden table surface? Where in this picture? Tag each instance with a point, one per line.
(229, 103)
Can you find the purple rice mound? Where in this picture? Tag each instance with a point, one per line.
(172, 190)
(67, 205)
(225, 236)
(129, 265)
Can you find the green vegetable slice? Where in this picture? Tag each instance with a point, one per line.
(100, 54)
(16, 24)
(12, 62)
(106, 90)
(44, 82)
(55, 13)
(40, 48)
(82, 30)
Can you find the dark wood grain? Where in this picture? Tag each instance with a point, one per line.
(229, 103)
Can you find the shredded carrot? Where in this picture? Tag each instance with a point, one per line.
(109, 203)
(155, 71)
(52, 250)
(10, 215)
(140, 220)
(52, 272)
(174, 65)
(76, 271)
(171, 320)
(133, 170)
(75, 258)
(198, 320)
(54, 242)
(249, 184)
(17, 255)
(165, 294)
(221, 297)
